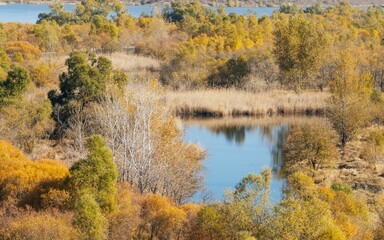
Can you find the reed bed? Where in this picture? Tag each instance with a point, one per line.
(130, 62)
(232, 103)
(212, 123)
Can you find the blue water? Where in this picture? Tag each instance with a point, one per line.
(233, 153)
(28, 13)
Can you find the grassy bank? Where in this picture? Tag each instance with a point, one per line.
(227, 103)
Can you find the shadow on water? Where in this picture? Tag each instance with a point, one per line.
(239, 146)
(236, 133)
(275, 135)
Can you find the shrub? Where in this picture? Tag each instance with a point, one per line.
(36, 226)
(24, 180)
(27, 50)
(341, 187)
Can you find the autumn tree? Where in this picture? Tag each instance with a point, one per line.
(22, 49)
(3, 36)
(348, 108)
(302, 214)
(244, 213)
(124, 222)
(299, 49)
(232, 74)
(373, 150)
(310, 145)
(47, 35)
(147, 145)
(161, 218)
(28, 122)
(103, 34)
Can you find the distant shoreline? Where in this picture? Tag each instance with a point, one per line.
(242, 4)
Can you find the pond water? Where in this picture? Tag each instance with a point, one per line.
(236, 148)
(28, 13)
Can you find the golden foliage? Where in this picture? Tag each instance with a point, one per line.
(26, 49)
(24, 180)
(124, 222)
(161, 218)
(42, 225)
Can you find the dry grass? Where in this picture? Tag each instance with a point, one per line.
(223, 103)
(212, 123)
(132, 63)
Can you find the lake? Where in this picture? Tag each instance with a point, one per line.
(237, 147)
(28, 13)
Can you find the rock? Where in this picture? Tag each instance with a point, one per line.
(368, 187)
(352, 172)
(345, 166)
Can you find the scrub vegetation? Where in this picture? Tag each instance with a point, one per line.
(91, 144)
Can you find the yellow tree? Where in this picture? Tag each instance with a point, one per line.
(349, 107)
(161, 219)
(312, 146)
(299, 49)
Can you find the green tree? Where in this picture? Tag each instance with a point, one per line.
(4, 64)
(210, 224)
(84, 82)
(231, 74)
(290, 9)
(89, 218)
(57, 14)
(86, 10)
(96, 175)
(15, 85)
(315, 9)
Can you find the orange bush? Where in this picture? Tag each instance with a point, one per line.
(36, 226)
(27, 50)
(24, 180)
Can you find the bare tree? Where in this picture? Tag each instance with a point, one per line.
(77, 128)
(147, 145)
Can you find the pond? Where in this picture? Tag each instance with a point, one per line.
(28, 13)
(237, 147)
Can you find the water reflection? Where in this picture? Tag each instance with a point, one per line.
(274, 135)
(237, 147)
(278, 153)
(231, 133)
